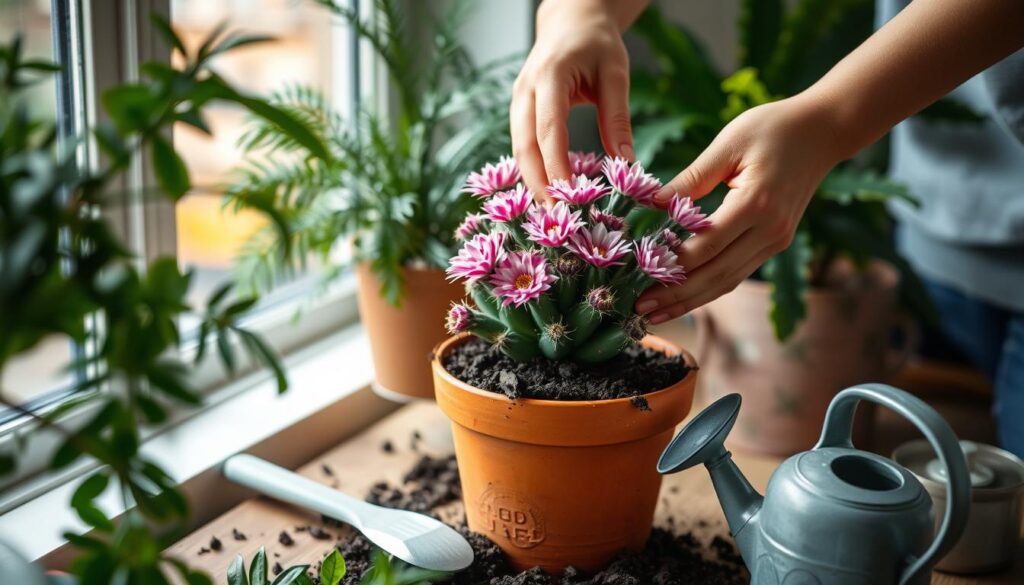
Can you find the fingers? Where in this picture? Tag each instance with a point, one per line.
(715, 165)
(727, 223)
(522, 124)
(613, 113)
(552, 107)
(716, 275)
(702, 296)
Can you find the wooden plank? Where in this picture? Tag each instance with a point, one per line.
(688, 498)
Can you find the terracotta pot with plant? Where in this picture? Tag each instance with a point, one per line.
(386, 196)
(819, 316)
(560, 402)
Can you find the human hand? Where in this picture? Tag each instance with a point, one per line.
(578, 57)
(773, 157)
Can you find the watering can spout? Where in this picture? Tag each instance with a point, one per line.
(703, 441)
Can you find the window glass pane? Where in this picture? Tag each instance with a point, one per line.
(307, 51)
(33, 375)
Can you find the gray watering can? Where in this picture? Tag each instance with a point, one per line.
(832, 515)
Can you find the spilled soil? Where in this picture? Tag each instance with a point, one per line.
(671, 557)
(634, 372)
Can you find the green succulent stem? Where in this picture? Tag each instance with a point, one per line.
(484, 300)
(567, 289)
(603, 345)
(582, 321)
(519, 320)
(487, 327)
(555, 344)
(544, 311)
(518, 347)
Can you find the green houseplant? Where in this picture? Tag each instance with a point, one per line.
(64, 267)
(388, 185)
(830, 296)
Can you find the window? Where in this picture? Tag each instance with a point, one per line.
(101, 44)
(309, 49)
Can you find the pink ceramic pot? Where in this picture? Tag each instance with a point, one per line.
(786, 387)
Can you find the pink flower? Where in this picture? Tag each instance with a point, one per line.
(578, 190)
(631, 181)
(477, 257)
(459, 319)
(670, 239)
(599, 247)
(686, 214)
(470, 225)
(658, 262)
(552, 226)
(587, 164)
(522, 277)
(613, 222)
(508, 205)
(493, 178)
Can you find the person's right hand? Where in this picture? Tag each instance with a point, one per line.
(578, 57)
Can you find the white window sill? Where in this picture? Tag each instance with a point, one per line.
(329, 400)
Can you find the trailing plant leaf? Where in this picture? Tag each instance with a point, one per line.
(847, 186)
(787, 272)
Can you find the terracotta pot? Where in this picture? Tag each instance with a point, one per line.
(559, 483)
(401, 338)
(787, 387)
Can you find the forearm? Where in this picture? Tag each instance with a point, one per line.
(927, 50)
(622, 12)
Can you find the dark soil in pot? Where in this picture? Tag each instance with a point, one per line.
(634, 372)
(668, 559)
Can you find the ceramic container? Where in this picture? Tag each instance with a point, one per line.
(992, 536)
(787, 386)
(560, 483)
(402, 337)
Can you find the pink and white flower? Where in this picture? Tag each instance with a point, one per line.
(473, 223)
(599, 247)
(522, 277)
(493, 178)
(671, 240)
(587, 164)
(578, 190)
(552, 226)
(459, 319)
(686, 214)
(658, 261)
(613, 222)
(477, 257)
(631, 181)
(508, 205)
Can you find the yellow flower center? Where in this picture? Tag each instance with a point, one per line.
(599, 251)
(524, 281)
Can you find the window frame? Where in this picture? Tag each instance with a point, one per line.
(108, 42)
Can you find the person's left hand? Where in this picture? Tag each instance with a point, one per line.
(772, 157)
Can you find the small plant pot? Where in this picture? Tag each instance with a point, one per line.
(846, 339)
(560, 483)
(402, 337)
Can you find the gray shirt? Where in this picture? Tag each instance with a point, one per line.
(968, 232)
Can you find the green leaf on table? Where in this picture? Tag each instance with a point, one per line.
(258, 568)
(332, 571)
(170, 170)
(787, 272)
(295, 574)
(236, 572)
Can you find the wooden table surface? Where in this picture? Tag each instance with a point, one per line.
(357, 464)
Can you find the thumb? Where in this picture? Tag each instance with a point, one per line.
(613, 114)
(713, 166)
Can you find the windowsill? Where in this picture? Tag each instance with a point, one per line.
(328, 402)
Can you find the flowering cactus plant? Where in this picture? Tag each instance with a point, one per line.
(559, 279)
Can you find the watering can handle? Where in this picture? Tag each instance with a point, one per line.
(837, 432)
